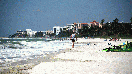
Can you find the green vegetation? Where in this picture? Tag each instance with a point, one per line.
(111, 29)
(121, 48)
(102, 21)
(66, 33)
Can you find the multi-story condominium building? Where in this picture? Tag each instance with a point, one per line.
(33, 32)
(64, 28)
(44, 33)
(96, 23)
(30, 33)
(70, 26)
(21, 32)
(78, 26)
(58, 29)
(48, 32)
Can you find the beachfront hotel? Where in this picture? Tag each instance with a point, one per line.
(58, 29)
(47, 32)
(96, 23)
(70, 26)
(80, 25)
(30, 33)
(21, 32)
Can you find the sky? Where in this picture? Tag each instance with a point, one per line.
(42, 15)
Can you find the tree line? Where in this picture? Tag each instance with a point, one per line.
(107, 29)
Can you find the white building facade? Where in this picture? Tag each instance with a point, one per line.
(70, 26)
(30, 33)
(56, 29)
(47, 32)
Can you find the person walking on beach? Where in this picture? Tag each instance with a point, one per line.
(72, 38)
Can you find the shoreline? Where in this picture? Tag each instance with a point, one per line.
(19, 68)
(27, 64)
(107, 37)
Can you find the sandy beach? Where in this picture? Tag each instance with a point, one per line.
(87, 59)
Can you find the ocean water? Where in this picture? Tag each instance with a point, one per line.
(17, 49)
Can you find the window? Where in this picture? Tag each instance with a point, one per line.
(60, 29)
(64, 28)
(54, 30)
(77, 25)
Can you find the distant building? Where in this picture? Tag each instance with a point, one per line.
(44, 33)
(39, 34)
(30, 33)
(78, 26)
(95, 23)
(64, 28)
(33, 33)
(89, 25)
(21, 32)
(49, 32)
(56, 29)
(70, 26)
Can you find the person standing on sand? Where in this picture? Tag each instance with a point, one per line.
(72, 38)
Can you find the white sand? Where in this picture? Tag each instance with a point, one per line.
(89, 60)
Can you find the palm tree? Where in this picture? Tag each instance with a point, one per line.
(115, 25)
(131, 19)
(116, 20)
(102, 21)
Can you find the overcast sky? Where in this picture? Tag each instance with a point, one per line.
(41, 15)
